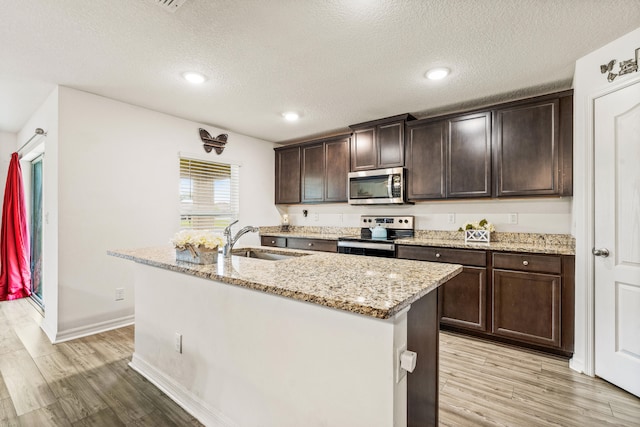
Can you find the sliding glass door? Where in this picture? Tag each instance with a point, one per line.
(36, 230)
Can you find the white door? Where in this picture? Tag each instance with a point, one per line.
(617, 230)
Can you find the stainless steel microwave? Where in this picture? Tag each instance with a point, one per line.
(377, 187)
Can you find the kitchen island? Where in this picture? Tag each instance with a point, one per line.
(312, 339)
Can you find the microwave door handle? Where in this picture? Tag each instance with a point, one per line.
(390, 185)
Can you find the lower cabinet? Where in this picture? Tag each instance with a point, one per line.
(524, 299)
(463, 300)
(526, 307)
(278, 242)
(300, 243)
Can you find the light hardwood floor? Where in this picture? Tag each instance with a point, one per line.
(87, 382)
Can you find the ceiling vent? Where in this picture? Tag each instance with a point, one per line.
(170, 5)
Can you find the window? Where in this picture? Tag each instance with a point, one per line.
(209, 194)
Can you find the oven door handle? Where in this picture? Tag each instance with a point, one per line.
(367, 245)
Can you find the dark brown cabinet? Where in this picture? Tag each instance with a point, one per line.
(325, 166)
(526, 307)
(312, 244)
(518, 149)
(322, 171)
(532, 148)
(336, 154)
(313, 173)
(449, 158)
(288, 175)
(278, 242)
(524, 299)
(426, 160)
(462, 300)
(379, 143)
(300, 243)
(469, 156)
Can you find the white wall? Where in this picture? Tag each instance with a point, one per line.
(111, 181)
(589, 83)
(546, 215)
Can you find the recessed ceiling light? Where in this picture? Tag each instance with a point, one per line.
(438, 73)
(194, 77)
(291, 116)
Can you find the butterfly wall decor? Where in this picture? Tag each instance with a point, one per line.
(626, 67)
(218, 143)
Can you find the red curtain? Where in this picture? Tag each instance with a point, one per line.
(15, 273)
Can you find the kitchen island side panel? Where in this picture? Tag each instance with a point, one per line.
(250, 358)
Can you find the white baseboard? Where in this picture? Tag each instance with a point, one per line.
(183, 397)
(576, 365)
(96, 328)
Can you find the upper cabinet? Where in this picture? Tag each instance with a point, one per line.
(325, 166)
(515, 149)
(519, 149)
(469, 156)
(449, 158)
(379, 143)
(426, 160)
(322, 167)
(533, 148)
(288, 175)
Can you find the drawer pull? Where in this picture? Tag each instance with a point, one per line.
(310, 244)
(273, 242)
(437, 255)
(525, 262)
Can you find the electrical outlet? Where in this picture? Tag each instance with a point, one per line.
(400, 373)
(452, 218)
(513, 218)
(178, 343)
(316, 217)
(119, 294)
(340, 217)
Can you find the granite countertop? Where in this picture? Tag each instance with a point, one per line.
(537, 243)
(524, 247)
(376, 287)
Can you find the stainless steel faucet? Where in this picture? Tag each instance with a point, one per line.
(230, 241)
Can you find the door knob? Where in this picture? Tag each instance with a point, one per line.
(604, 252)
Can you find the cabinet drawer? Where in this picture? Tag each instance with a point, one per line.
(452, 256)
(525, 262)
(313, 244)
(280, 242)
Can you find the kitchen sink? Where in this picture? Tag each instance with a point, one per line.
(269, 256)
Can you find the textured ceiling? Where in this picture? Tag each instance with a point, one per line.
(337, 62)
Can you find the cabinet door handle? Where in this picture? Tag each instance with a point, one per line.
(525, 262)
(437, 255)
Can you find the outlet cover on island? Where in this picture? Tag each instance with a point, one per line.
(513, 218)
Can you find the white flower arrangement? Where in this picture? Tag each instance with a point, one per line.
(196, 238)
(483, 224)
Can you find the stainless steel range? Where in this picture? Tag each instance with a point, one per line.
(365, 244)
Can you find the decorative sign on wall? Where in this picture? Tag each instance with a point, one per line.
(626, 67)
(210, 142)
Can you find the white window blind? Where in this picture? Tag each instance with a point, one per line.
(209, 194)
